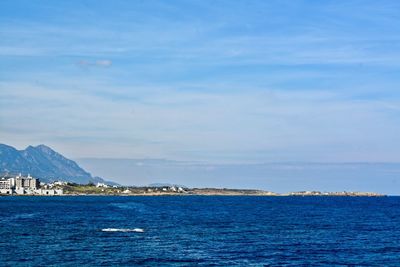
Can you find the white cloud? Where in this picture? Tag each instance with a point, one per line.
(267, 125)
(229, 107)
(104, 63)
(97, 63)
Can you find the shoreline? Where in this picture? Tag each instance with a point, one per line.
(69, 189)
(205, 195)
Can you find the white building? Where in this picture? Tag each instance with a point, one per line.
(21, 185)
(26, 182)
(102, 185)
(48, 192)
(6, 185)
(60, 183)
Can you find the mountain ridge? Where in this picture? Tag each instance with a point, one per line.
(43, 162)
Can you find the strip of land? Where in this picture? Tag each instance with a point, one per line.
(74, 189)
(21, 185)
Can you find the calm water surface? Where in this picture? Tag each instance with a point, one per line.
(200, 231)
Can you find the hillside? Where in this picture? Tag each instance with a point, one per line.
(43, 162)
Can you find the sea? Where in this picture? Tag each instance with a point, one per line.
(199, 231)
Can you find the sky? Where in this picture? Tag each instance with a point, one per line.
(221, 82)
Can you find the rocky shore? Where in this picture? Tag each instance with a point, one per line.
(335, 194)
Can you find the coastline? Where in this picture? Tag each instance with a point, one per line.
(217, 192)
(179, 191)
(101, 189)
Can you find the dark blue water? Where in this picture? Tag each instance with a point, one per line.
(200, 231)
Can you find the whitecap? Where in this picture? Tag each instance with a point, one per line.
(139, 207)
(24, 215)
(137, 230)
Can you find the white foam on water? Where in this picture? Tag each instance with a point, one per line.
(25, 215)
(137, 230)
(139, 207)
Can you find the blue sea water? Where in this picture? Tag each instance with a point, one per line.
(199, 231)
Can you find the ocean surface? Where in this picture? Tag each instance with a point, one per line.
(199, 231)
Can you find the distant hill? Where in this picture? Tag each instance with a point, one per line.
(43, 162)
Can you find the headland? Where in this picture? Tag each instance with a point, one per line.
(74, 189)
(21, 185)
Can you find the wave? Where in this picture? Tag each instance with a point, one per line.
(24, 215)
(130, 206)
(137, 230)
(17, 219)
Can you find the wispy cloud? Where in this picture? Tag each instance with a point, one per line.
(226, 82)
(97, 63)
(207, 126)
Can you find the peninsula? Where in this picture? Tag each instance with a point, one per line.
(62, 176)
(21, 185)
(102, 189)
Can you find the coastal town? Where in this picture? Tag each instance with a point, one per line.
(28, 185)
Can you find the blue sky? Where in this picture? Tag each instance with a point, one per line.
(209, 81)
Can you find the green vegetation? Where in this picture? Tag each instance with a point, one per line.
(90, 189)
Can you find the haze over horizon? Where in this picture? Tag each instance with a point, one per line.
(217, 82)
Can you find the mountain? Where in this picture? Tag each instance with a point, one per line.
(43, 162)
